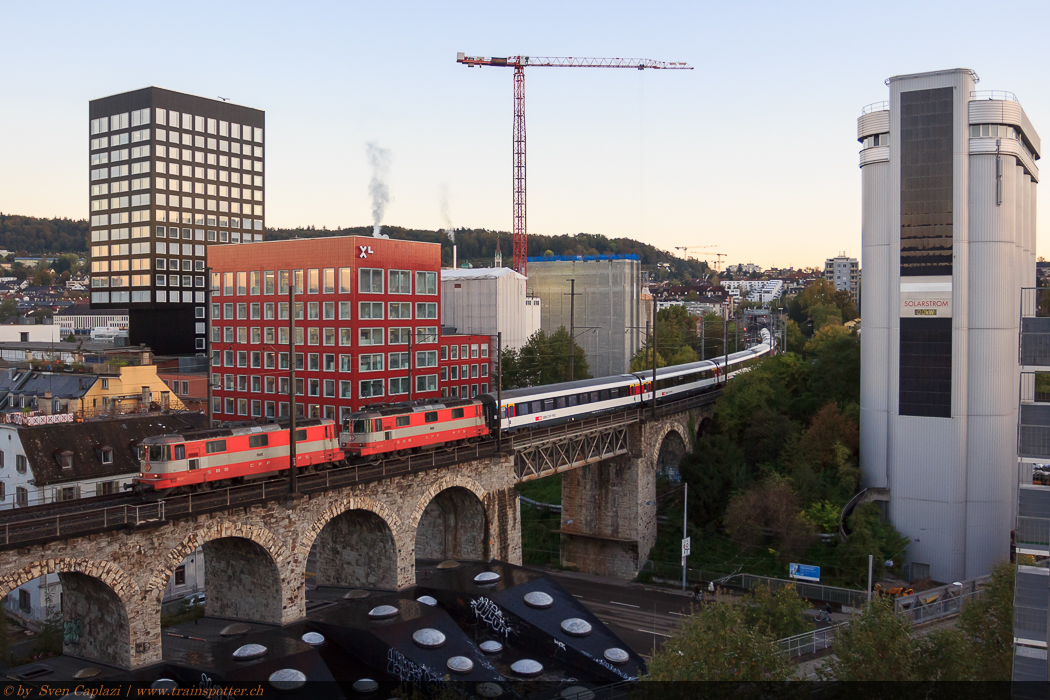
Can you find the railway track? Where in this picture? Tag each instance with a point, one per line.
(48, 522)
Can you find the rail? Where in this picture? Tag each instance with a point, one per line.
(875, 107)
(811, 642)
(79, 523)
(20, 527)
(1004, 95)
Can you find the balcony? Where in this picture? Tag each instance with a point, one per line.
(1033, 520)
(1035, 327)
(1031, 595)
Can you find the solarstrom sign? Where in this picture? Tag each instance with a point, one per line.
(929, 297)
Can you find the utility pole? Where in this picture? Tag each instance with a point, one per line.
(654, 356)
(725, 345)
(293, 487)
(207, 344)
(411, 332)
(870, 558)
(499, 392)
(572, 328)
(685, 522)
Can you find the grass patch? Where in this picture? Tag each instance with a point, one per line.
(182, 616)
(545, 490)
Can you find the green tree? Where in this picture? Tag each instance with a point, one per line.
(870, 534)
(716, 643)
(8, 308)
(794, 340)
(987, 623)
(835, 354)
(877, 646)
(544, 360)
(824, 465)
(779, 614)
(716, 468)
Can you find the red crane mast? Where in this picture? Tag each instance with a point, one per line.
(519, 63)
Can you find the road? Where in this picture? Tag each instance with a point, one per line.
(642, 616)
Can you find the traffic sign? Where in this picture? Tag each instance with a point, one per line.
(687, 545)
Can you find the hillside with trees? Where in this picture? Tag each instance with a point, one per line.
(32, 235)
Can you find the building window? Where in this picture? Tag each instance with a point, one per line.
(180, 576)
(21, 496)
(20, 464)
(427, 310)
(398, 385)
(371, 388)
(426, 382)
(25, 602)
(426, 283)
(400, 282)
(370, 281)
(400, 310)
(107, 455)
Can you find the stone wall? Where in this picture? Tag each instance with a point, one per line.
(357, 549)
(265, 564)
(94, 622)
(453, 527)
(241, 578)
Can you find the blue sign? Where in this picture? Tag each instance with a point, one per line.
(804, 572)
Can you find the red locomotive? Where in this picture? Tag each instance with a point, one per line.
(413, 426)
(216, 458)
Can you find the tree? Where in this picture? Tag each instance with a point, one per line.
(780, 613)
(824, 464)
(8, 308)
(716, 469)
(544, 360)
(769, 505)
(716, 643)
(870, 534)
(877, 646)
(987, 623)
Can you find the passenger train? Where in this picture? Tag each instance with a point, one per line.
(220, 457)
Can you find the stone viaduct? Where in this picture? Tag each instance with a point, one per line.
(366, 535)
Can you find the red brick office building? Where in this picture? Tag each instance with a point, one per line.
(367, 328)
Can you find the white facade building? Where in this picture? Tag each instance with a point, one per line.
(80, 318)
(487, 300)
(763, 291)
(949, 191)
(30, 333)
(844, 273)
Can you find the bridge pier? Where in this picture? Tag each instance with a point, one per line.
(608, 516)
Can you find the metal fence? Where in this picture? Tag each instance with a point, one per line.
(811, 642)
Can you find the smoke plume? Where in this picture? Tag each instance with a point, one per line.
(446, 215)
(379, 161)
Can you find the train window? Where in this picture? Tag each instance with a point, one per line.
(300, 435)
(560, 401)
(548, 404)
(595, 396)
(584, 398)
(402, 421)
(430, 416)
(572, 400)
(180, 452)
(159, 453)
(537, 406)
(377, 426)
(457, 412)
(258, 440)
(521, 409)
(215, 446)
(360, 426)
(605, 395)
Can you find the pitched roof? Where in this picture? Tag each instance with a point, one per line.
(43, 444)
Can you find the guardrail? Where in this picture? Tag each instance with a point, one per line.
(812, 641)
(78, 523)
(875, 107)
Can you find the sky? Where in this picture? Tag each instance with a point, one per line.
(753, 152)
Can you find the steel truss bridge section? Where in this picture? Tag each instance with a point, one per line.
(570, 451)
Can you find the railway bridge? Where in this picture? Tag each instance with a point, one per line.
(367, 525)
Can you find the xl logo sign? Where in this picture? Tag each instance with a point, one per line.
(366, 250)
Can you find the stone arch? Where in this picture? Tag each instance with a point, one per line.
(455, 519)
(704, 426)
(673, 448)
(668, 425)
(356, 541)
(242, 571)
(100, 618)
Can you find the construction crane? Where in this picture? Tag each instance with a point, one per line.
(519, 63)
(686, 248)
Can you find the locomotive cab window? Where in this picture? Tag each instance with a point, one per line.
(430, 416)
(360, 426)
(457, 412)
(402, 421)
(377, 426)
(180, 452)
(159, 453)
(258, 440)
(300, 435)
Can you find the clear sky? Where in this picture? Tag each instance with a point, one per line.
(755, 151)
